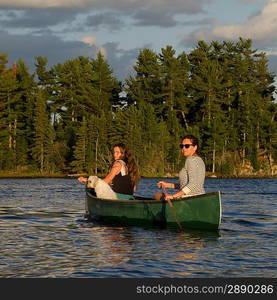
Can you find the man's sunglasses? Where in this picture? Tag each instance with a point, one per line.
(185, 145)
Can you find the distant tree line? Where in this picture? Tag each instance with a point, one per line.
(65, 119)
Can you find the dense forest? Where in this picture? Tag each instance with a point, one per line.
(64, 119)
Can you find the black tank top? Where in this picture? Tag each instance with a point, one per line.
(122, 184)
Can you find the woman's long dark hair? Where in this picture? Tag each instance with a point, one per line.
(130, 162)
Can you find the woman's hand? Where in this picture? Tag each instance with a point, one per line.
(162, 184)
(82, 179)
(168, 197)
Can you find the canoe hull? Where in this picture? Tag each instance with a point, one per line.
(196, 212)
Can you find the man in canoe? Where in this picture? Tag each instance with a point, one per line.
(191, 176)
(123, 174)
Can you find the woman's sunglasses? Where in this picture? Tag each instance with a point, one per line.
(185, 145)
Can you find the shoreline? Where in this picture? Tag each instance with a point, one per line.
(167, 176)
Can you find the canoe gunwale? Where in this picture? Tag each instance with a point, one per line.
(146, 200)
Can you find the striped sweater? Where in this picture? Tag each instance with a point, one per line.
(192, 176)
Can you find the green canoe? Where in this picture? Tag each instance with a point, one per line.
(196, 212)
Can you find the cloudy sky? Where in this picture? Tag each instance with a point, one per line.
(65, 29)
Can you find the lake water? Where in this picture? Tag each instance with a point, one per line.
(43, 233)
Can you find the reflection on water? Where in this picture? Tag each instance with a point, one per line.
(44, 234)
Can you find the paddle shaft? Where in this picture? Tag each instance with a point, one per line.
(173, 211)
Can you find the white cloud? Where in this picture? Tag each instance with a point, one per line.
(261, 28)
(143, 12)
(256, 1)
(178, 6)
(271, 53)
(57, 50)
(103, 51)
(258, 27)
(42, 3)
(48, 45)
(90, 40)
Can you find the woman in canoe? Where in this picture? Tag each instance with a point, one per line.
(191, 176)
(123, 174)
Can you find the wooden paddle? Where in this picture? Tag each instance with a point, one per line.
(173, 211)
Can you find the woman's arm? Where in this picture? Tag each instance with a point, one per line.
(175, 195)
(114, 171)
(168, 185)
(82, 179)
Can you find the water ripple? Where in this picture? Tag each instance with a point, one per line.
(44, 234)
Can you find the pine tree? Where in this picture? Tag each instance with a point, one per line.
(69, 118)
(146, 85)
(174, 74)
(25, 111)
(42, 149)
(8, 115)
(80, 149)
(107, 87)
(207, 86)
